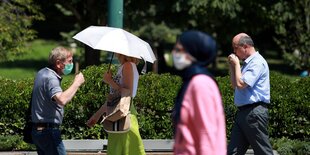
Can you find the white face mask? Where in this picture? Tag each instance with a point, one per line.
(180, 61)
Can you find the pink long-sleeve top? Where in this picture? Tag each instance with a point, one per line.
(201, 129)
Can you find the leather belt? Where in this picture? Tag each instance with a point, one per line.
(42, 126)
(253, 105)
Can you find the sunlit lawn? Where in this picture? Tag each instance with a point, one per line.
(27, 65)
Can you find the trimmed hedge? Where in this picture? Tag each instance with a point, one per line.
(14, 142)
(289, 112)
(285, 146)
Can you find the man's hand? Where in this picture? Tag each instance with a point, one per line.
(79, 79)
(235, 72)
(63, 98)
(233, 59)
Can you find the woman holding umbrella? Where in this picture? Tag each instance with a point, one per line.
(127, 77)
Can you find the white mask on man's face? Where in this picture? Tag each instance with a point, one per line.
(180, 61)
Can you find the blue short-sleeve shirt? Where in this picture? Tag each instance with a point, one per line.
(255, 73)
(44, 109)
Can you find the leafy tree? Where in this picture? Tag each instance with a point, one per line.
(155, 22)
(221, 19)
(273, 24)
(292, 26)
(146, 22)
(85, 13)
(15, 21)
(224, 19)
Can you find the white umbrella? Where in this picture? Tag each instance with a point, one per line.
(116, 40)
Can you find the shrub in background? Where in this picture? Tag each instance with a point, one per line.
(154, 101)
(228, 100)
(14, 142)
(285, 146)
(290, 107)
(14, 101)
(87, 101)
(289, 110)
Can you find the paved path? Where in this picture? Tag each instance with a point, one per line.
(97, 147)
(249, 152)
(76, 153)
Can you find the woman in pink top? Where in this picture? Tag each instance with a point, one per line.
(198, 113)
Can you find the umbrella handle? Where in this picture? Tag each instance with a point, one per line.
(143, 71)
(110, 62)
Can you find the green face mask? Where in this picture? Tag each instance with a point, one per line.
(68, 68)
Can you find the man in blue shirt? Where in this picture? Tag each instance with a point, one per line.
(252, 95)
(48, 101)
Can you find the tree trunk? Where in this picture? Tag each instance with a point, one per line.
(155, 64)
(91, 56)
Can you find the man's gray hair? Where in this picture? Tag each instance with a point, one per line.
(246, 40)
(58, 53)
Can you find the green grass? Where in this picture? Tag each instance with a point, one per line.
(28, 64)
(17, 73)
(39, 50)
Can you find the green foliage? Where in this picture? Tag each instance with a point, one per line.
(15, 22)
(154, 101)
(14, 142)
(84, 13)
(14, 99)
(289, 112)
(287, 23)
(8, 144)
(225, 8)
(285, 146)
(85, 103)
(158, 33)
(27, 65)
(228, 100)
(291, 21)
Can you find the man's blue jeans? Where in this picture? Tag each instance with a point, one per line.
(48, 141)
